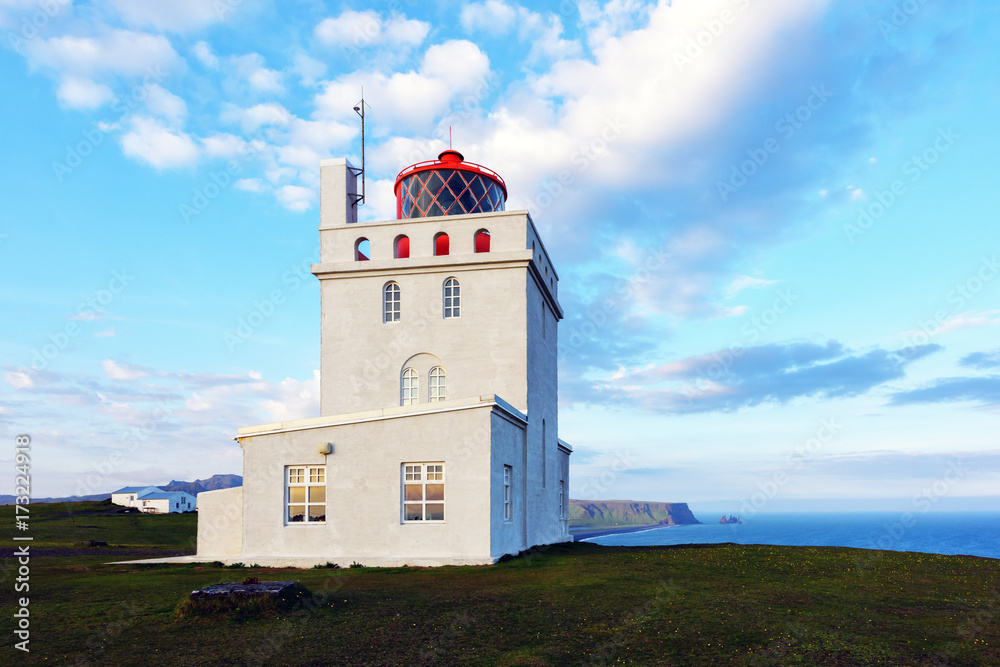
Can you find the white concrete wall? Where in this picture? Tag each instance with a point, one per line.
(220, 524)
(484, 351)
(364, 521)
(508, 449)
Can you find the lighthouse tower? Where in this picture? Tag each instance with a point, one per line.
(438, 441)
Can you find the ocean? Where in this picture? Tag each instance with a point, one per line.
(949, 533)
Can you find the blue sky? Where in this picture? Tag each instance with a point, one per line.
(774, 222)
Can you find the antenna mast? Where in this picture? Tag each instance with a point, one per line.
(359, 199)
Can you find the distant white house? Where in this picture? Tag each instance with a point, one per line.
(165, 502)
(153, 500)
(129, 495)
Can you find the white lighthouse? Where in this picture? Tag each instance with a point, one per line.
(438, 442)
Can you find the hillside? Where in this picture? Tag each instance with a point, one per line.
(213, 483)
(194, 488)
(606, 513)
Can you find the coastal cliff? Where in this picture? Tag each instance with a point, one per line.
(609, 513)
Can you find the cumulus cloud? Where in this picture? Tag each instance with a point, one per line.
(295, 197)
(493, 16)
(157, 145)
(176, 15)
(203, 52)
(257, 116)
(411, 99)
(354, 30)
(118, 51)
(162, 102)
(308, 69)
(542, 31)
(224, 145)
(79, 92)
(250, 185)
(250, 67)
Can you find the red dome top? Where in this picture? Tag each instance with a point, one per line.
(448, 186)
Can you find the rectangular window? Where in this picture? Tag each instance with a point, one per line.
(563, 513)
(423, 492)
(508, 510)
(306, 495)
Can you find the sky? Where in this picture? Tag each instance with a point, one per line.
(774, 222)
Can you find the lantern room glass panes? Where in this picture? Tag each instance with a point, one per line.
(440, 192)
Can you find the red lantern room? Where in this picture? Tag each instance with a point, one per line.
(448, 186)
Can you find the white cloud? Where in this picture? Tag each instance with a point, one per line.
(122, 371)
(18, 379)
(203, 52)
(107, 333)
(157, 145)
(493, 16)
(176, 15)
(255, 117)
(745, 282)
(321, 135)
(295, 197)
(164, 103)
(358, 30)
(613, 19)
(309, 70)
(250, 185)
(457, 63)
(197, 403)
(119, 51)
(251, 68)
(294, 399)
(413, 99)
(966, 320)
(81, 93)
(400, 30)
(543, 31)
(224, 145)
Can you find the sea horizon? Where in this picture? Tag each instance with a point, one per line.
(969, 533)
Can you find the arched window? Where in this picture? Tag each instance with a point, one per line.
(437, 385)
(390, 303)
(452, 298)
(362, 250)
(410, 388)
(401, 247)
(482, 241)
(441, 244)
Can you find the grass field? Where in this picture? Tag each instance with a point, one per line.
(568, 605)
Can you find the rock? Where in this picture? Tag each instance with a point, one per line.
(250, 588)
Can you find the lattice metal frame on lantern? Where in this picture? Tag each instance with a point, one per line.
(448, 186)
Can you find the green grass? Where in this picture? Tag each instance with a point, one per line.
(567, 605)
(66, 525)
